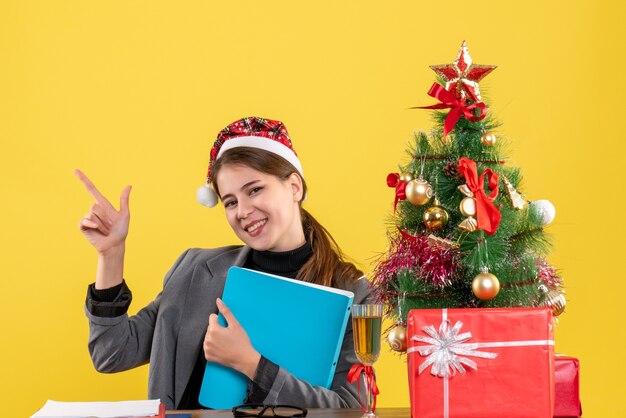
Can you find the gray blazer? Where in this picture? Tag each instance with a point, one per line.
(168, 333)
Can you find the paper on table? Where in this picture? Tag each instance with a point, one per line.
(54, 409)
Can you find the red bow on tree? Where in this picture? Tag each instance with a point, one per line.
(457, 107)
(354, 375)
(487, 214)
(393, 180)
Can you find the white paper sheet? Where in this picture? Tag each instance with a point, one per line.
(54, 409)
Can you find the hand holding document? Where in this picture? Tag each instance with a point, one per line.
(126, 409)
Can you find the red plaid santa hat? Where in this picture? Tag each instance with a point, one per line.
(252, 132)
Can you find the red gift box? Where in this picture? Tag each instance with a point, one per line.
(566, 389)
(481, 363)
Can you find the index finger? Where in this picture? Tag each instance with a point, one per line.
(91, 188)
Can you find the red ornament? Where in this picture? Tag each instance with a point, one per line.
(462, 76)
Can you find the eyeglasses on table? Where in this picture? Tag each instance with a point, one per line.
(258, 410)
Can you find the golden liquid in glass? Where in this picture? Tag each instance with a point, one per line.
(367, 331)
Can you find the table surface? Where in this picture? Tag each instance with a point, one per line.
(312, 413)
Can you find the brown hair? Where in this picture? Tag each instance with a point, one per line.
(327, 266)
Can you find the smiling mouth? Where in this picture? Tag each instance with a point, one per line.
(256, 225)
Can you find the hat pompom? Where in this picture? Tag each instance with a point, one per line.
(206, 196)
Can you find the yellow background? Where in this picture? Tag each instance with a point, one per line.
(134, 93)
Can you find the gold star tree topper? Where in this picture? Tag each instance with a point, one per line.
(462, 76)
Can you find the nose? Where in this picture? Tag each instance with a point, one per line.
(244, 209)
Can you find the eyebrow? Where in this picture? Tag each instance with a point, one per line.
(245, 186)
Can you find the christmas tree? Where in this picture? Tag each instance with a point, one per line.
(463, 233)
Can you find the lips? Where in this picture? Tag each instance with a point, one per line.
(254, 226)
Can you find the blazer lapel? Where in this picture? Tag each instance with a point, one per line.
(207, 284)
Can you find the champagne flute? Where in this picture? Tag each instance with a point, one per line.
(366, 325)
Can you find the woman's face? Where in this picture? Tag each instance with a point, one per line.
(263, 210)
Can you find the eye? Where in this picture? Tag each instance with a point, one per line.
(255, 190)
(230, 204)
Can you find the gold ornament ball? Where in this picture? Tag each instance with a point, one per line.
(407, 177)
(435, 218)
(468, 206)
(418, 192)
(488, 139)
(397, 338)
(555, 300)
(485, 286)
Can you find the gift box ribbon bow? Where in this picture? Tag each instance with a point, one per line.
(446, 350)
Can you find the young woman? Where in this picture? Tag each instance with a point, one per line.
(255, 172)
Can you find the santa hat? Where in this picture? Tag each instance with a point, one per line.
(252, 132)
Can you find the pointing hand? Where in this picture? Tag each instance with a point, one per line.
(104, 227)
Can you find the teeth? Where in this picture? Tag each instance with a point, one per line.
(256, 225)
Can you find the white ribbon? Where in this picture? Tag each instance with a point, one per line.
(446, 350)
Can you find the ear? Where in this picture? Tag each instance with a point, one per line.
(297, 187)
